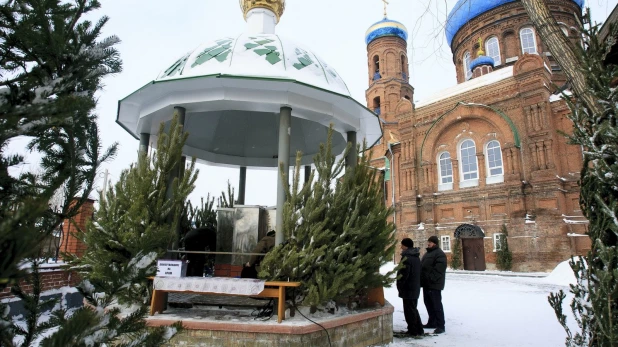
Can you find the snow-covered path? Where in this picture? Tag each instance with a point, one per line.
(484, 310)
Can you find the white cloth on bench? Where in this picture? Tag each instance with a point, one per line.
(220, 285)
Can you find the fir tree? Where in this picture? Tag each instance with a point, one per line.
(504, 257)
(52, 63)
(337, 230)
(134, 217)
(595, 294)
(456, 263)
(227, 200)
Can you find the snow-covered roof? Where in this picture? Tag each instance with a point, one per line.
(267, 56)
(472, 84)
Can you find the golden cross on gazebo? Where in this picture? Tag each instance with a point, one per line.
(385, 4)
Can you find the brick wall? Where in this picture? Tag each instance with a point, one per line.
(364, 329)
(53, 278)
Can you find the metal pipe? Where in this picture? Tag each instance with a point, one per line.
(285, 119)
(393, 185)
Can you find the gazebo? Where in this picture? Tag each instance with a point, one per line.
(251, 100)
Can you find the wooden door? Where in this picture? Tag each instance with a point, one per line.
(473, 254)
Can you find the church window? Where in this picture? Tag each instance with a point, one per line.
(446, 171)
(528, 41)
(376, 105)
(404, 74)
(376, 68)
(466, 66)
(492, 47)
(446, 243)
(499, 240)
(469, 164)
(495, 170)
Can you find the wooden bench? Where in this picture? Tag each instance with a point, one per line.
(274, 290)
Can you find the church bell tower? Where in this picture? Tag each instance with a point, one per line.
(389, 92)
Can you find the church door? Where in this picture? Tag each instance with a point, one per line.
(473, 254)
(472, 246)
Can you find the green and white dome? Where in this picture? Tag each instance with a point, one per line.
(261, 56)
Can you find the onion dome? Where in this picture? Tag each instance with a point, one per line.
(386, 27)
(466, 10)
(482, 60)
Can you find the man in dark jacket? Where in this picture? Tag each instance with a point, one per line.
(409, 286)
(432, 280)
(201, 239)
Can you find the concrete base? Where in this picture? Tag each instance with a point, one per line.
(368, 327)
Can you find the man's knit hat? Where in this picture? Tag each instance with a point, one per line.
(407, 242)
(434, 239)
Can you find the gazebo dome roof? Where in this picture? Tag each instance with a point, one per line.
(465, 10)
(262, 56)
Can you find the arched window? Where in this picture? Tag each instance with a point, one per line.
(445, 171)
(492, 48)
(404, 73)
(376, 105)
(495, 169)
(469, 164)
(528, 41)
(466, 66)
(376, 68)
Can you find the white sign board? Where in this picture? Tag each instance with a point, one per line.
(170, 268)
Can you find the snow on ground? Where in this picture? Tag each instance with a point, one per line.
(492, 310)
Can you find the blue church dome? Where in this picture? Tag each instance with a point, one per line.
(386, 27)
(465, 10)
(482, 60)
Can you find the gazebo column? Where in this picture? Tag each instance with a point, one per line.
(307, 173)
(352, 158)
(144, 143)
(241, 185)
(285, 118)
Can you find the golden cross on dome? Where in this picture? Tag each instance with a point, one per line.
(481, 51)
(385, 4)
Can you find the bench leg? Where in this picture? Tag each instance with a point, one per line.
(281, 306)
(157, 303)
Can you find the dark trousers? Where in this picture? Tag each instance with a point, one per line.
(433, 302)
(415, 326)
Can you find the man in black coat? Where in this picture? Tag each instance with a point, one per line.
(432, 280)
(409, 286)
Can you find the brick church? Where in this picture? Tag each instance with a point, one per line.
(487, 151)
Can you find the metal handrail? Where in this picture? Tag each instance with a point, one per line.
(204, 252)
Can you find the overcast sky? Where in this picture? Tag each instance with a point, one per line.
(156, 33)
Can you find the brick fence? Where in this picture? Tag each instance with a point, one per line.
(52, 277)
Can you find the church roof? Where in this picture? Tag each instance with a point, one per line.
(472, 84)
(386, 27)
(465, 10)
(265, 56)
